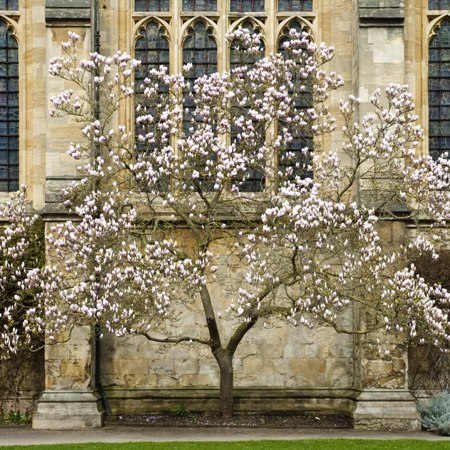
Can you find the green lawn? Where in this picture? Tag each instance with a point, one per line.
(320, 444)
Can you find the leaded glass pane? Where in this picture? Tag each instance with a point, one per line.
(295, 5)
(439, 88)
(199, 5)
(152, 5)
(9, 107)
(438, 4)
(9, 4)
(254, 179)
(200, 50)
(245, 6)
(298, 151)
(152, 49)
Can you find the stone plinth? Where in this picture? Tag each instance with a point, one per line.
(68, 410)
(386, 409)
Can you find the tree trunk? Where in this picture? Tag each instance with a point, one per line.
(225, 360)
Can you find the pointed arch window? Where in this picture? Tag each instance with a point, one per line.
(9, 110)
(152, 49)
(254, 180)
(295, 5)
(152, 5)
(200, 50)
(438, 4)
(439, 90)
(9, 5)
(244, 6)
(199, 5)
(237, 58)
(298, 150)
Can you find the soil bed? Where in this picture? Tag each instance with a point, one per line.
(239, 420)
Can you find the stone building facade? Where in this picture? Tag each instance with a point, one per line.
(377, 42)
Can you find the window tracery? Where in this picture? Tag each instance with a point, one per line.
(196, 31)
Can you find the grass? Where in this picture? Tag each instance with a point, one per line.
(317, 444)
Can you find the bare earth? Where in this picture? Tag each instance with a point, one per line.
(239, 420)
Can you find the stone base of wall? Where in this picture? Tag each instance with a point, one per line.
(246, 400)
(386, 409)
(68, 410)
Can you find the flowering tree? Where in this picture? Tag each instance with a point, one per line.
(159, 206)
(21, 260)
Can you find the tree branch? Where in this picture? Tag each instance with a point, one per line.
(174, 340)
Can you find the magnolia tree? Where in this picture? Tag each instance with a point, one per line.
(304, 233)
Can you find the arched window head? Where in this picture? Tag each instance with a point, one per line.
(9, 111)
(152, 5)
(439, 90)
(438, 4)
(199, 5)
(200, 50)
(238, 58)
(9, 5)
(244, 6)
(295, 5)
(152, 49)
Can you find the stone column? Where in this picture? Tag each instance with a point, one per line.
(384, 401)
(69, 401)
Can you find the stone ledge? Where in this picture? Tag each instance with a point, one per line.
(248, 400)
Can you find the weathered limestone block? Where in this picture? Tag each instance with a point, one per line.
(69, 401)
(381, 9)
(68, 410)
(386, 409)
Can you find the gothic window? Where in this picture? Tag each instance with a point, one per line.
(238, 58)
(294, 5)
(9, 110)
(294, 157)
(199, 5)
(439, 90)
(152, 49)
(244, 6)
(438, 4)
(254, 178)
(200, 50)
(152, 5)
(9, 4)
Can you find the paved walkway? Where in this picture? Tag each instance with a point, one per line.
(114, 433)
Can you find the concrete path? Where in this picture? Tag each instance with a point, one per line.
(114, 433)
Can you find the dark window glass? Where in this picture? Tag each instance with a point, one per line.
(439, 89)
(438, 4)
(152, 49)
(199, 5)
(297, 153)
(9, 110)
(244, 6)
(254, 179)
(9, 4)
(152, 5)
(200, 50)
(294, 5)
